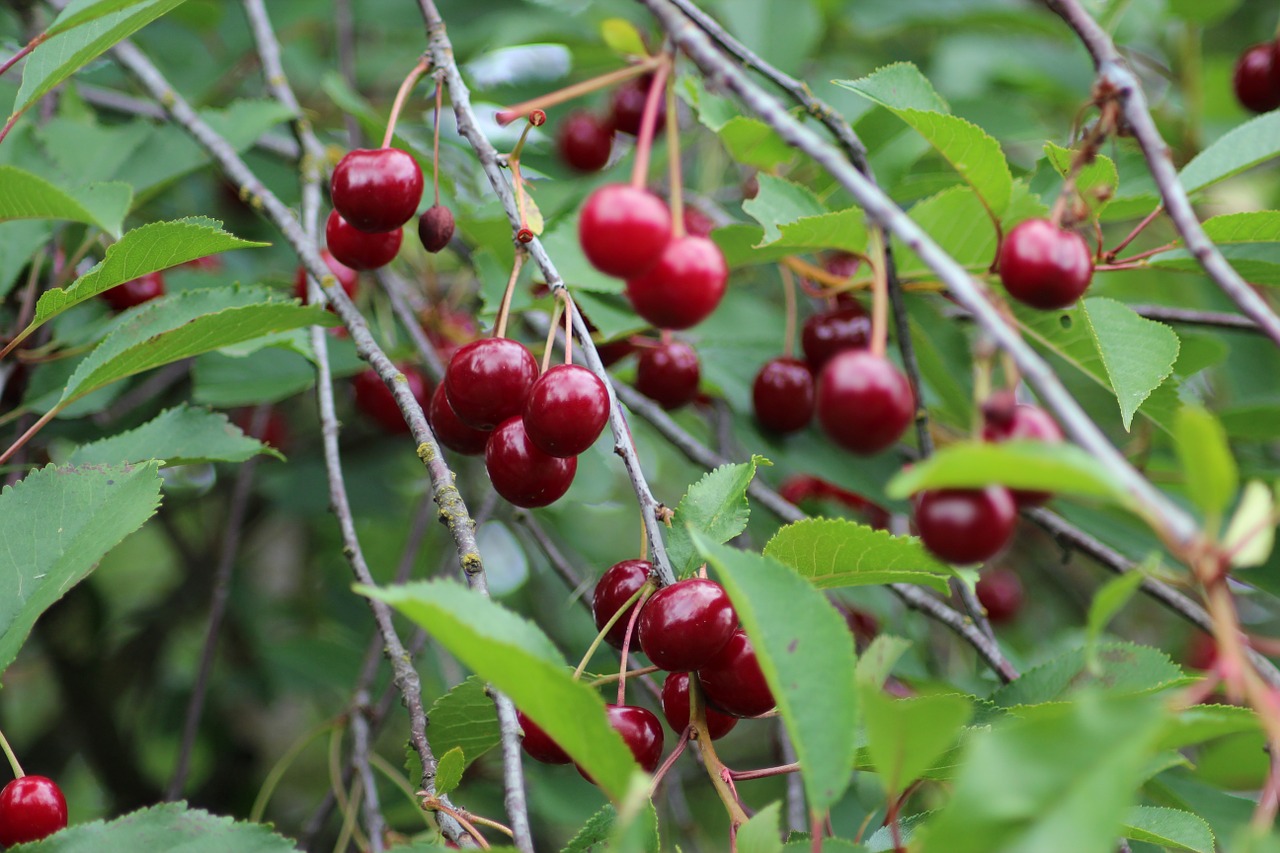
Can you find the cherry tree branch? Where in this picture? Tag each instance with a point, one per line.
(1216, 319)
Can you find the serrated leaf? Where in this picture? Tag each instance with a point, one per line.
(178, 436)
(595, 833)
(1200, 723)
(622, 37)
(449, 768)
(1247, 145)
(636, 828)
(1108, 601)
(780, 202)
(1256, 226)
(753, 143)
(27, 196)
(906, 736)
(1138, 353)
(56, 524)
(808, 662)
(836, 552)
(1172, 829)
(464, 718)
(160, 828)
(716, 506)
(899, 86)
(763, 832)
(1210, 469)
(958, 223)
(1098, 175)
(1252, 532)
(1123, 668)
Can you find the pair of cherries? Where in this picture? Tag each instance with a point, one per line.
(585, 141)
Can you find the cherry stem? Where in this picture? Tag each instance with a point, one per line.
(13, 759)
(644, 539)
(716, 771)
(879, 300)
(789, 295)
(608, 626)
(816, 273)
(764, 772)
(1138, 229)
(8, 125)
(433, 803)
(648, 122)
(31, 431)
(418, 70)
(577, 90)
(614, 676)
(500, 328)
(644, 592)
(435, 140)
(568, 324)
(671, 760)
(551, 335)
(673, 163)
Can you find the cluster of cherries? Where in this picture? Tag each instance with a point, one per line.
(1257, 77)
(31, 808)
(585, 141)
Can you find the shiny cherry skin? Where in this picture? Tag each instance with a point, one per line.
(521, 473)
(358, 249)
(435, 228)
(1019, 422)
(567, 409)
(782, 395)
(864, 403)
(675, 707)
(135, 292)
(733, 681)
(347, 278)
(375, 400)
(684, 625)
(450, 431)
(619, 582)
(31, 808)
(1043, 266)
(826, 335)
(641, 731)
(584, 142)
(538, 744)
(623, 230)
(668, 374)
(488, 381)
(626, 109)
(999, 592)
(684, 287)
(378, 189)
(966, 525)
(1257, 78)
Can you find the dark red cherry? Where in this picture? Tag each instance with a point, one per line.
(135, 292)
(1043, 266)
(1201, 652)
(626, 110)
(1000, 594)
(675, 706)
(539, 744)
(375, 400)
(698, 223)
(826, 335)
(864, 403)
(806, 487)
(488, 381)
(842, 264)
(275, 431)
(641, 731)
(782, 395)
(31, 808)
(435, 227)
(684, 625)
(1004, 422)
(1257, 78)
(668, 374)
(348, 278)
(358, 249)
(613, 352)
(584, 142)
(567, 409)
(623, 230)
(450, 431)
(733, 681)
(684, 287)
(619, 582)
(520, 472)
(965, 525)
(378, 189)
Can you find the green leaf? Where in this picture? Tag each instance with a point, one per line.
(622, 37)
(161, 828)
(1172, 829)
(1257, 226)
(449, 768)
(877, 661)
(1099, 175)
(636, 828)
(1259, 263)
(594, 833)
(27, 196)
(465, 719)
(56, 524)
(1137, 353)
(1108, 601)
(781, 202)
(80, 12)
(715, 506)
(808, 662)
(1252, 532)
(753, 143)
(836, 552)
(19, 242)
(1123, 668)
(763, 832)
(1244, 147)
(899, 86)
(1207, 463)
(905, 736)
(178, 436)
(1201, 723)
(515, 657)
(958, 223)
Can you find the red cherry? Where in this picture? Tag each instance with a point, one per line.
(614, 351)
(435, 227)
(1043, 266)
(684, 287)
(733, 681)
(641, 731)
(488, 381)
(520, 472)
(450, 431)
(1020, 423)
(782, 395)
(348, 278)
(619, 582)
(135, 292)
(805, 487)
(826, 335)
(448, 329)
(841, 264)
(375, 400)
(623, 230)
(209, 263)
(31, 808)
(275, 432)
(675, 706)
(567, 409)
(584, 142)
(1201, 652)
(697, 223)
(357, 249)
(539, 744)
(668, 374)
(864, 403)
(626, 110)
(684, 625)
(1257, 78)
(1000, 594)
(377, 189)
(966, 525)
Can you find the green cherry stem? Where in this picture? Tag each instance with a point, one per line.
(608, 626)
(500, 328)
(648, 123)
(13, 759)
(673, 162)
(552, 328)
(418, 70)
(614, 676)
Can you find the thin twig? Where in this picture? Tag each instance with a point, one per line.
(1217, 319)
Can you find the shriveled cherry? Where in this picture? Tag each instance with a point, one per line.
(584, 142)
(999, 592)
(826, 335)
(684, 625)
(675, 707)
(377, 189)
(684, 287)
(966, 525)
(864, 402)
(623, 230)
(347, 278)
(619, 582)
(733, 681)
(1043, 266)
(488, 381)
(135, 292)
(782, 395)
(374, 399)
(450, 431)
(435, 227)
(567, 409)
(626, 109)
(538, 744)
(668, 374)
(31, 808)
(520, 472)
(1256, 79)
(358, 249)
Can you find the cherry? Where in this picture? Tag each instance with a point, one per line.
(435, 227)
(733, 681)
(805, 487)
(377, 189)
(698, 223)
(520, 472)
(1006, 421)
(668, 374)
(488, 381)
(966, 525)
(450, 431)
(567, 409)
(623, 230)
(1000, 594)
(275, 431)
(135, 292)
(675, 706)
(614, 351)
(585, 142)
(1043, 266)
(208, 263)
(1257, 78)
(348, 278)
(375, 400)
(864, 403)
(640, 730)
(684, 287)
(826, 335)
(842, 264)
(684, 625)
(357, 249)
(782, 395)
(31, 808)
(1201, 652)
(619, 582)
(626, 110)
(539, 744)
(448, 329)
